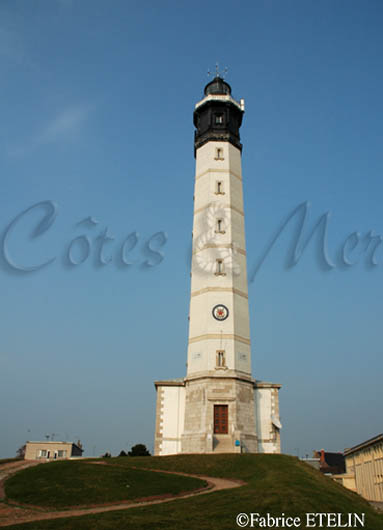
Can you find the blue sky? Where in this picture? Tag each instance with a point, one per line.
(96, 104)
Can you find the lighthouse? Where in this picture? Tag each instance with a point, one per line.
(218, 407)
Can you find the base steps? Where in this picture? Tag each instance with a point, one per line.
(223, 443)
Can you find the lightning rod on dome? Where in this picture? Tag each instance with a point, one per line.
(217, 72)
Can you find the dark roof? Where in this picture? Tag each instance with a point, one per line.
(334, 459)
(218, 86)
(331, 462)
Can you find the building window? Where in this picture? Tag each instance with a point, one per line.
(219, 153)
(219, 227)
(219, 188)
(219, 119)
(43, 453)
(220, 359)
(60, 454)
(219, 268)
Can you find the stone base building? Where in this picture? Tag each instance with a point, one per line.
(227, 416)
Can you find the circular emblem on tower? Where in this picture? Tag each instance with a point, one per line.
(220, 312)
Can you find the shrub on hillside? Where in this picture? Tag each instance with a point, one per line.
(139, 450)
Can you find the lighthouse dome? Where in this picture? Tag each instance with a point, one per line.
(217, 87)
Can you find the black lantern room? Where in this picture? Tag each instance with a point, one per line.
(217, 119)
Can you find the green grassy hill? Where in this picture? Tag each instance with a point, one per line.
(275, 484)
(66, 484)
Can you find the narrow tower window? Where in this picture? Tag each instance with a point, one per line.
(219, 271)
(219, 227)
(220, 361)
(219, 153)
(219, 118)
(219, 188)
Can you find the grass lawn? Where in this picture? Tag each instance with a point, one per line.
(276, 484)
(65, 484)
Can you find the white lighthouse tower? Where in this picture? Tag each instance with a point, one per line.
(218, 406)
